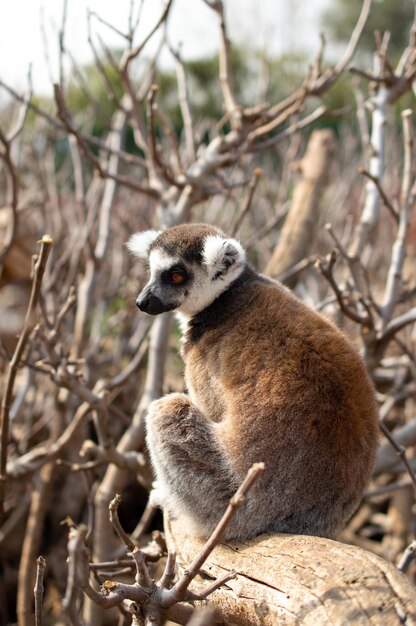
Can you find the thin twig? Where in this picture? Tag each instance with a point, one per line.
(109, 25)
(352, 45)
(246, 208)
(225, 73)
(108, 83)
(131, 54)
(408, 556)
(39, 589)
(61, 37)
(326, 268)
(168, 575)
(143, 578)
(39, 269)
(185, 107)
(293, 128)
(82, 142)
(362, 120)
(398, 254)
(396, 324)
(382, 193)
(78, 570)
(370, 212)
(401, 452)
(154, 152)
(31, 543)
(113, 509)
(6, 157)
(35, 458)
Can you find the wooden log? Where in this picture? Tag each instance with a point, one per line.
(288, 580)
(301, 226)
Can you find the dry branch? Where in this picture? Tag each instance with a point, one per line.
(32, 542)
(39, 589)
(15, 362)
(150, 600)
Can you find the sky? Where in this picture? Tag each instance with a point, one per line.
(25, 25)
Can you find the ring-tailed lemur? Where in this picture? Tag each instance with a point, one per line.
(268, 379)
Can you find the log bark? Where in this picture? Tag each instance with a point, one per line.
(290, 580)
(301, 225)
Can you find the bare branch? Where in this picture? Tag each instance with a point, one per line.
(225, 73)
(103, 173)
(22, 114)
(396, 324)
(39, 269)
(254, 181)
(185, 107)
(382, 193)
(39, 589)
(326, 268)
(401, 452)
(369, 214)
(153, 147)
(113, 506)
(62, 43)
(168, 575)
(408, 556)
(355, 37)
(131, 54)
(31, 544)
(394, 276)
(109, 25)
(6, 157)
(293, 128)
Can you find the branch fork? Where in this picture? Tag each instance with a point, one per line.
(151, 600)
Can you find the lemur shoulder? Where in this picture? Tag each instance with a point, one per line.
(268, 379)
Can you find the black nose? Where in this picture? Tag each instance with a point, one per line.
(151, 304)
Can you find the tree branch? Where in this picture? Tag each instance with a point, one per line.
(14, 364)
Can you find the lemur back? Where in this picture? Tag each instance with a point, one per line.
(268, 379)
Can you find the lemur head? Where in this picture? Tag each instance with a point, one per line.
(190, 266)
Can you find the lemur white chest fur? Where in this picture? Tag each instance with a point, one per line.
(269, 380)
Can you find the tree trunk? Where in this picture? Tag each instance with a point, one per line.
(298, 580)
(301, 225)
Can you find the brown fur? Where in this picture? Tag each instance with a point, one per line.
(269, 380)
(183, 242)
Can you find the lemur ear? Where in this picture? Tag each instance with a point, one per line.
(222, 256)
(139, 243)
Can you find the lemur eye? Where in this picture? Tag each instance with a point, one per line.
(177, 278)
(176, 275)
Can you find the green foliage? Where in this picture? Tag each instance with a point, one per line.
(42, 102)
(394, 16)
(286, 74)
(340, 102)
(203, 87)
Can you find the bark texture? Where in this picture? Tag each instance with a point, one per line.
(298, 233)
(298, 580)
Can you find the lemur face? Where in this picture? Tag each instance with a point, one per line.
(190, 266)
